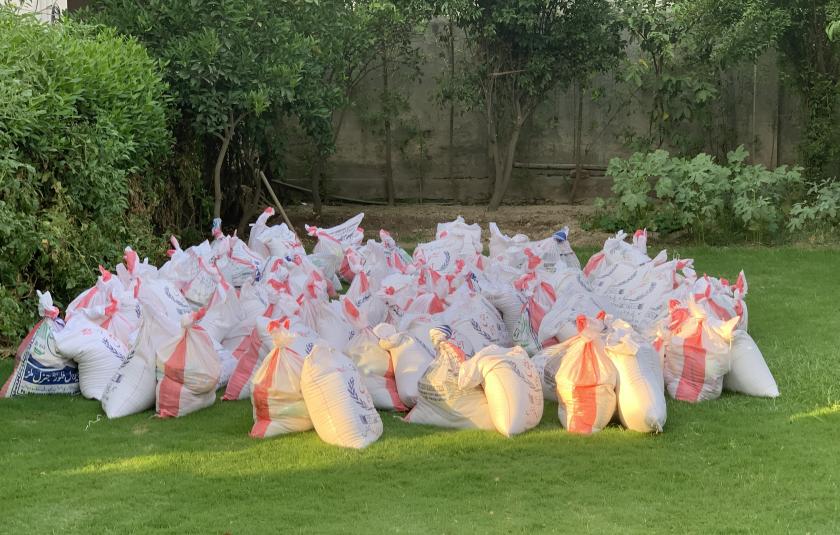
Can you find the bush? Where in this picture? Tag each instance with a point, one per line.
(705, 198)
(821, 212)
(83, 116)
(761, 198)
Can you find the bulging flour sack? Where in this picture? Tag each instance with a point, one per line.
(442, 402)
(276, 395)
(410, 359)
(640, 388)
(511, 384)
(376, 368)
(749, 374)
(586, 381)
(132, 387)
(339, 405)
(697, 352)
(188, 370)
(39, 368)
(96, 351)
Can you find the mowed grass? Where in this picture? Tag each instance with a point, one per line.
(737, 464)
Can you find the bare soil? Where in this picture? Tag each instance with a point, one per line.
(414, 223)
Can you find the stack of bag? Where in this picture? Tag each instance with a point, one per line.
(447, 336)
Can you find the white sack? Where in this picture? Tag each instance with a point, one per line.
(188, 370)
(410, 359)
(39, 368)
(339, 405)
(132, 387)
(276, 395)
(640, 388)
(441, 401)
(511, 384)
(749, 374)
(375, 368)
(697, 353)
(586, 381)
(97, 352)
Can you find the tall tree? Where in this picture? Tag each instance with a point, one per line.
(227, 61)
(684, 49)
(523, 49)
(813, 61)
(355, 41)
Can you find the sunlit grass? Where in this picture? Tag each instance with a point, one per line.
(736, 464)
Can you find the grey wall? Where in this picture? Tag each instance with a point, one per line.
(357, 168)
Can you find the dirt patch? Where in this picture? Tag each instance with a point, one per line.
(410, 224)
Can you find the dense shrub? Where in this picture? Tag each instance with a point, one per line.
(820, 212)
(667, 194)
(83, 116)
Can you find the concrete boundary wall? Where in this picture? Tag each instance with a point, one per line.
(421, 150)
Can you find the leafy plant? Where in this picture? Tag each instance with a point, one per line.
(683, 47)
(83, 118)
(760, 196)
(695, 192)
(698, 195)
(821, 211)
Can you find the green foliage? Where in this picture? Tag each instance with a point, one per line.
(698, 195)
(761, 198)
(813, 63)
(821, 211)
(82, 118)
(392, 28)
(683, 47)
(694, 192)
(223, 57)
(231, 64)
(520, 50)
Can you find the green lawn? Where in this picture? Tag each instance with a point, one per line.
(735, 464)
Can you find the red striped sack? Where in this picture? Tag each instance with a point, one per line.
(586, 381)
(697, 352)
(188, 370)
(275, 392)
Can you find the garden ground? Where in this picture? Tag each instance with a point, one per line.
(737, 464)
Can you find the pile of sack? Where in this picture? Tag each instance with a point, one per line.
(449, 336)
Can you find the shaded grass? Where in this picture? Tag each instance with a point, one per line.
(737, 464)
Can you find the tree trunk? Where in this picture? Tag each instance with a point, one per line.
(389, 169)
(578, 143)
(451, 152)
(754, 110)
(780, 102)
(217, 169)
(493, 154)
(315, 184)
(504, 168)
(250, 206)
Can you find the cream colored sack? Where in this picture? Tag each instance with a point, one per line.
(339, 405)
(275, 392)
(641, 387)
(749, 374)
(547, 362)
(511, 384)
(697, 352)
(376, 368)
(586, 381)
(441, 401)
(410, 359)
